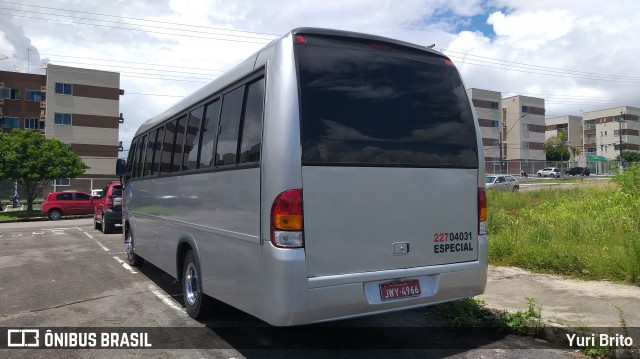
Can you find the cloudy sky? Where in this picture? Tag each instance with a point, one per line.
(579, 55)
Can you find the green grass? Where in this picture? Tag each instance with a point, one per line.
(14, 215)
(588, 232)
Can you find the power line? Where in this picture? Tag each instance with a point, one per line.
(145, 20)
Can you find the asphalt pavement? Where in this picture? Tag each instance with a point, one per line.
(566, 304)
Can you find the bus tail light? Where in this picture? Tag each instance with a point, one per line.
(287, 220)
(482, 211)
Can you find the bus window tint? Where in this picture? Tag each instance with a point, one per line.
(209, 132)
(139, 159)
(132, 152)
(365, 107)
(191, 143)
(157, 151)
(146, 169)
(178, 146)
(167, 147)
(227, 146)
(252, 124)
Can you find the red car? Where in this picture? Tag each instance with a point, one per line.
(58, 204)
(108, 208)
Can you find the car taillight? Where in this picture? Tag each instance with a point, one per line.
(482, 211)
(287, 220)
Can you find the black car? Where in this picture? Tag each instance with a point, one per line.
(583, 171)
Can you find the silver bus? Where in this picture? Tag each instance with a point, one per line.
(330, 175)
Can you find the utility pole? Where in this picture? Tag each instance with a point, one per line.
(620, 136)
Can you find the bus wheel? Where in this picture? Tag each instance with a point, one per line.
(132, 258)
(198, 304)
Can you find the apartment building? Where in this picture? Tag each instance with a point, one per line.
(604, 130)
(488, 111)
(79, 107)
(572, 125)
(523, 133)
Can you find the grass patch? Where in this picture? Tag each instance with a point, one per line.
(14, 215)
(587, 232)
(471, 312)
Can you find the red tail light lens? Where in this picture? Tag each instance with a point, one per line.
(287, 220)
(482, 211)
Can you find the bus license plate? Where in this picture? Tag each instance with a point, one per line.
(397, 290)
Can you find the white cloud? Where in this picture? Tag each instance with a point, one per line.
(586, 37)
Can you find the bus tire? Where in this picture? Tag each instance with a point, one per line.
(197, 304)
(133, 259)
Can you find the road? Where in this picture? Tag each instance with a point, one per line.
(66, 274)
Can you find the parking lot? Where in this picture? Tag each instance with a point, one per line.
(66, 274)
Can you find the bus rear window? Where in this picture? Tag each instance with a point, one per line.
(364, 106)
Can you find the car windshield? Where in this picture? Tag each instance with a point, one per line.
(490, 179)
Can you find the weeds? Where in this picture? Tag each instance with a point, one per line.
(588, 232)
(471, 312)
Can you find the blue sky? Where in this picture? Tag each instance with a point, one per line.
(577, 55)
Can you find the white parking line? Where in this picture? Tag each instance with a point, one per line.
(166, 299)
(125, 265)
(102, 246)
(88, 235)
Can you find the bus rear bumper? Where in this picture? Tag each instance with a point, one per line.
(358, 294)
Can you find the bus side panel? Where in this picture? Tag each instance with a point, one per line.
(220, 211)
(285, 293)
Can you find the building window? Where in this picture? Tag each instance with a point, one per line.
(10, 94)
(62, 182)
(496, 142)
(616, 133)
(616, 146)
(495, 105)
(33, 124)
(525, 109)
(10, 122)
(34, 95)
(525, 145)
(591, 125)
(62, 118)
(64, 88)
(591, 151)
(495, 124)
(525, 127)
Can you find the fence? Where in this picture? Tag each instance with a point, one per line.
(600, 168)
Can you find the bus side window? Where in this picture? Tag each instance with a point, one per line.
(178, 145)
(140, 152)
(148, 158)
(192, 140)
(252, 123)
(167, 147)
(130, 157)
(209, 132)
(227, 146)
(157, 156)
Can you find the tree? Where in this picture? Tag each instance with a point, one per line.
(555, 147)
(629, 156)
(34, 161)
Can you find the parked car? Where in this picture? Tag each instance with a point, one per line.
(58, 204)
(549, 172)
(107, 211)
(574, 171)
(503, 182)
